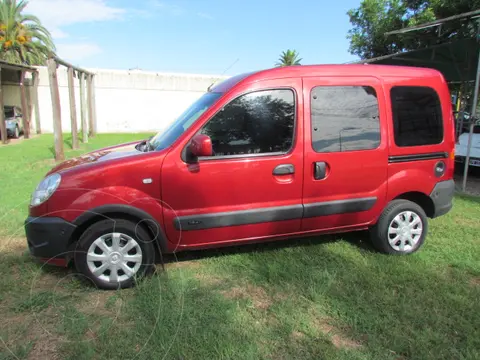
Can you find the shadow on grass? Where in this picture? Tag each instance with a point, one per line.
(359, 239)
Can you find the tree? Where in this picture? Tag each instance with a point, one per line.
(373, 18)
(23, 39)
(288, 58)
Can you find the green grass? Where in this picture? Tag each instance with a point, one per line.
(327, 297)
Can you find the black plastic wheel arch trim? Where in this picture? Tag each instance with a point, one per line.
(161, 239)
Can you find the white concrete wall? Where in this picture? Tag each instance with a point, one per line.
(126, 101)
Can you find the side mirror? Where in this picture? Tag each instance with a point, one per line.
(201, 145)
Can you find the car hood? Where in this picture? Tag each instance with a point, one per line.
(105, 154)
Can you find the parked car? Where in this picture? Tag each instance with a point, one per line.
(461, 148)
(13, 121)
(268, 155)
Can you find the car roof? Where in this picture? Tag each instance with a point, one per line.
(327, 70)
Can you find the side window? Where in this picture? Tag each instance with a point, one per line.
(417, 116)
(344, 118)
(256, 123)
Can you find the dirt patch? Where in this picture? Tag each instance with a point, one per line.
(183, 264)
(209, 280)
(100, 303)
(40, 332)
(12, 246)
(475, 281)
(473, 183)
(258, 296)
(466, 222)
(338, 338)
(297, 335)
(45, 347)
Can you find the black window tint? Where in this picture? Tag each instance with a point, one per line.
(254, 123)
(417, 116)
(344, 118)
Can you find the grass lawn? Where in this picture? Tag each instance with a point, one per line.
(319, 298)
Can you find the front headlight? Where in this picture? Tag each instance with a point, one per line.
(10, 122)
(45, 189)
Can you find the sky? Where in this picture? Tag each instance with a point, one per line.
(195, 36)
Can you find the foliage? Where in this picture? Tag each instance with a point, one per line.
(23, 39)
(288, 58)
(373, 18)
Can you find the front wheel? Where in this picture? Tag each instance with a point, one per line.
(114, 254)
(16, 132)
(401, 229)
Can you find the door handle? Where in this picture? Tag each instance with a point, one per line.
(284, 169)
(320, 170)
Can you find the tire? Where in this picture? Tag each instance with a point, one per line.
(16, 133)
(96, 254)
(411, 234)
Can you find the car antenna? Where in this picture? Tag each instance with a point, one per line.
(224, 71)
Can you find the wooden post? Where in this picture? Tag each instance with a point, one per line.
(91, 121)
(94, 107)
(56, 110)
(35, 80)
(28, 90)
(3, 126)
(25, 113)
(73, 109)
(83, 108)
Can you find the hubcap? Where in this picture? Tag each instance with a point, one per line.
(114, 257)
(405, 231)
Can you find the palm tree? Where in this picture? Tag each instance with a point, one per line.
(288, 58)
(23, 39)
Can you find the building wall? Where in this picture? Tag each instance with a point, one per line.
(126, 101)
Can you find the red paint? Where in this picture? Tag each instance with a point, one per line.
(116, 175)
(201, 145)
(54, 262)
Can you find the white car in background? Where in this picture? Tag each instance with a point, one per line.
(461, 147)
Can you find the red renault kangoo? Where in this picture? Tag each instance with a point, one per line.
(262, 156)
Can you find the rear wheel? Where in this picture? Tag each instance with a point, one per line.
(114, 254)
(401, 229)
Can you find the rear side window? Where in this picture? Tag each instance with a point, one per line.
(344, 118)
(417, 116)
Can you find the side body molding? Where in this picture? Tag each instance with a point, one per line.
(270, 214)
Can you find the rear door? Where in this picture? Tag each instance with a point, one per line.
(346, 152)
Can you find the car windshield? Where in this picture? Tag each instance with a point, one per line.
(8, 111)
(168, 136)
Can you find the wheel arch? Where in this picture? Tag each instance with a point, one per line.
(421, 199)
(121, 211)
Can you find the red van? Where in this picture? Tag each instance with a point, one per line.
(274, 154)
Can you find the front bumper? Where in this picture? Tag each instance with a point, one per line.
(48, 237)
(442, 197)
